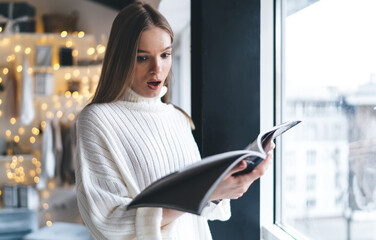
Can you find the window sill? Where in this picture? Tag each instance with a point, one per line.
(273, 232)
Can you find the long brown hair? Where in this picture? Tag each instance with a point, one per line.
(121, 53)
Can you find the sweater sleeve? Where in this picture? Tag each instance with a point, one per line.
(103, 193)
(220, 211)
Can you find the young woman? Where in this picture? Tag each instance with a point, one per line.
(130, 136)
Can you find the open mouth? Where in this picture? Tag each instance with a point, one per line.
(154, 84)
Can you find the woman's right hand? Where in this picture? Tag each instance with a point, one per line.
(233, 187)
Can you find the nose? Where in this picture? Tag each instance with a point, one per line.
(156, 66)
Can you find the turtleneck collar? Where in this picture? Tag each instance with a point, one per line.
(134, 97)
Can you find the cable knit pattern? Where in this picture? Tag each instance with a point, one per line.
(123, 147)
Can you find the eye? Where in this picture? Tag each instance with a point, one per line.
(141, 58)
(165, 55)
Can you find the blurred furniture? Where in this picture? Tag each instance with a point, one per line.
(17, 222)
(60, 231)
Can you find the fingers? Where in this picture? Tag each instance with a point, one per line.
(239, 167)
(272, 146)
(263, 167)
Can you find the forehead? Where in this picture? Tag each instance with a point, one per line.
(154, 38)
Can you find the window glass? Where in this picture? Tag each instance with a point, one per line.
(327, 178)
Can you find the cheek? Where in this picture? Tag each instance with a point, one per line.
(167, 65)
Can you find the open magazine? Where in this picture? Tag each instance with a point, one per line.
(190, 188)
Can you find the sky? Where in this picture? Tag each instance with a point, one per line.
(332, 43)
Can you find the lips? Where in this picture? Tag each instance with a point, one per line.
(154, 84)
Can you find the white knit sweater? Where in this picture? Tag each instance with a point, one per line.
(122, 148)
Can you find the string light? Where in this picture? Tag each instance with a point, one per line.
(44, 106)
(11, 58)
(17, 48)
(27, 50)
(68, 94)
(59, 114)
(49, 115)
(81, 34)
(48, 223)
(69, 43)
(76, 73)
(75, 94)
(71, 116)
(72, 100)
(19, 68)
(46, 194)
(67, 76)
(101, 49)
(12, 121)
(35, 131)
(68, 104)
(75, 53)
(43, 124)
(8, 133)
(57, 105)
(15, 170)
(63, 34)
(36, 179)
(21, 130)
(32, 173)
(90, 51)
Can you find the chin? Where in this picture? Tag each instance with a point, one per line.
(152, 94)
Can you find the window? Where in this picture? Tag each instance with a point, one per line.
(311, 157)
(311, 183)
(325, 76)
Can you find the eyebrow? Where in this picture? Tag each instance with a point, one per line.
(143, 51)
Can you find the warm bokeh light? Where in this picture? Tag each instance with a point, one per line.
(64, 34)
(81, 34)
(36, 179)
(76, 73)
(44, 106)
(68, 94)
(12, 121)
(67, 76)
(17, 48)
(19, 68)
(8, 133)
(90, 51)
(21, 130)
(27, 50)
(59, 114)
(69, 43)
(35, 131)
